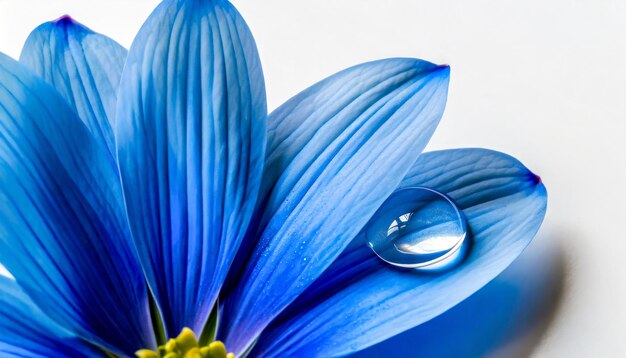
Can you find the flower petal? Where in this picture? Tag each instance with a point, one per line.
(63, 232)
(336, 151)
(510, 312)
(191, 142)
(360, 300)
(85, 67)
(28, 332)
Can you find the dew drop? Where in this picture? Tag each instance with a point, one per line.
(418, 228)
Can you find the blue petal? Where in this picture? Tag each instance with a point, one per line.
(336, 151)
(191, 142)
(360, 300)
(505, 316)
(85, 67)
(28, 332)
(63, 231)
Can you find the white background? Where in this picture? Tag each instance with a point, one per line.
(542, 80)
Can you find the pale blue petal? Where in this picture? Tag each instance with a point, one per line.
(360, 300)
(84, 66)
(63, 231)
(191, 141)
(336, 151)
(28, 332)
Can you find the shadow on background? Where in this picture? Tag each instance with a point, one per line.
(507, 318)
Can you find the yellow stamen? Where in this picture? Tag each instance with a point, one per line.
(216, 350)
(186, 346)
(186, 340)
(146, 353)
(171, 346)
(193, 353)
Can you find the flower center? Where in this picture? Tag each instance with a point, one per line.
(186, 346)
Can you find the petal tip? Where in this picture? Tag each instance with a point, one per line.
(64, 23)
(537, 185)
(64, 20)
(444, 70)
(534, 179)
(433, 71)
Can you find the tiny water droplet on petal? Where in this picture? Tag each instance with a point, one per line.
(418, 228)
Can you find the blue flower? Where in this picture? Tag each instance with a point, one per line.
(171, 202)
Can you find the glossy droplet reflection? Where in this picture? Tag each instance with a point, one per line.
(418, 228)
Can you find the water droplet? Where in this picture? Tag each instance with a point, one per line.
(418, 228)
